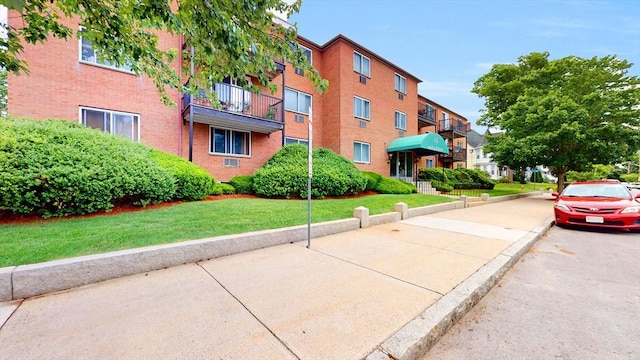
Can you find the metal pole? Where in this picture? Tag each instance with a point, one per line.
(191, 69)
(310, 175)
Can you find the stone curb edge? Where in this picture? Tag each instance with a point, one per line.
(417, 337)
(23, 281)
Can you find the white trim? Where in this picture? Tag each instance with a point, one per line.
(80, 121)
(354, 108)
(299, 92)
(95, 63)
(359, 72)
(209, 146)
(369, 148)
(405, 120)
(405, 83)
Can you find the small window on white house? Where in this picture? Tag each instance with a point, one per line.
(361, 152)
(401, 120)
(114, 122)
(361, 64)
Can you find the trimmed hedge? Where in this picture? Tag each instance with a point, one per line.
(285, 174)
(373, 179)
(223, 189)
(457, 178)
(243, 184)
(629, 178)
(394, 186)
(192, 182)
(57, 168)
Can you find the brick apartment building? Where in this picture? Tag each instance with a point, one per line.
(372, 113)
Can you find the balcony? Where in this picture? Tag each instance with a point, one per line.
(455, 154)
(426, 115)
(453, 127)
(233, 107)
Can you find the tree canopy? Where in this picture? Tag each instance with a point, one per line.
(230, 38)
(566, 114)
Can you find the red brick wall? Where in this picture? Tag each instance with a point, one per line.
(58, 84)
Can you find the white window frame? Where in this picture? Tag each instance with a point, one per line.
(136, 121)
(212, 150)
(400, 83)
(310, 58)
(366, 108)
(359, 62)
(357, 155)
(400, 120)
(298, 93)
(429, 163)
(291, 140)
(95, 61)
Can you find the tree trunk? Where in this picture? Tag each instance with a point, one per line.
(560, 173)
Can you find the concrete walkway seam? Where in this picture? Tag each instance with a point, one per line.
(23, 281)
(416, 338)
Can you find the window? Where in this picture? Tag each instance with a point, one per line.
(113, 122)
(229, 142)
(361, 152)
(459, 166)
(361, 64)
(401, 84)
(307, 53)
(401, 120)
(459, 145)
(429, 163)
(361, 108)
(297, 101)
(88, 55)
(445, 121)
(289, 141)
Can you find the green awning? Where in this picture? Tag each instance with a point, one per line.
(423, 144)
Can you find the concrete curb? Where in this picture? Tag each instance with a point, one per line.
(18, 282)
(415, 339)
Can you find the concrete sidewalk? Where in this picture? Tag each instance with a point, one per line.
(386, 290)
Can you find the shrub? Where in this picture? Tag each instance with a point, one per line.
(372, 179)
(192, 182)
(629, 178)
(459, 178)
(285, 174)
(504, 180)
(440, 186)
(57, 168)
(430, 174)
(394, 186)
(222, 188)
(243, 184)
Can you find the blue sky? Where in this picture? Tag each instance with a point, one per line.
(450, 44)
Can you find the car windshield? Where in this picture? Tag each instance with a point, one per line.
(597, 190)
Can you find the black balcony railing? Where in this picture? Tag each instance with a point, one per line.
(454, 125)
(456, 154)
(235, 99)
(426, 114)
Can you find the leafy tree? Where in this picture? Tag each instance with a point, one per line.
(566, 114)
(229, 38)
(3, 92)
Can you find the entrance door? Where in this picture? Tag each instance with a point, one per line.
(402, 165)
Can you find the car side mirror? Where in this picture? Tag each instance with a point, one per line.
(554, 194)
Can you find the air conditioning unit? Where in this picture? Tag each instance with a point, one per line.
(231, 162)
(298, 71)
(363, 79)
(401, 133)
(401, 96)
(362, 124)
(298, 118)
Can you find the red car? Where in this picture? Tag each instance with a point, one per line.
(604, 204)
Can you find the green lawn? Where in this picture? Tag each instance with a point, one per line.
(63, 238)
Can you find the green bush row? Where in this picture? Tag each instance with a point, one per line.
(456, 178)
(57, 168)
(383, 185)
